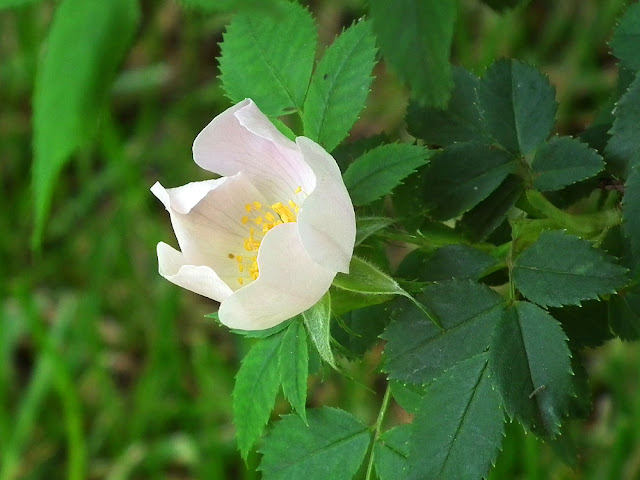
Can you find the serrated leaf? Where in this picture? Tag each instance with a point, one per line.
(450, 261)
(624, 314)
(562, 161)
(631, 211)
(268, 56)
(86, 43)
(407, 395)
(367, 226)
(623, 150)
(417, 351)
(333, 445)
(318, 322)
(293, 364)
(462, 175)
(415, 38)
(255, 390)
(460, 121)
(378, 171)
(365, 278)
(391, 452)
(531, 365)
(560, 269)
(459, 426)
(340, 86)
(518, 105)
(626, 38)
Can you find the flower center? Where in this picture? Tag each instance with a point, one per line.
(259, 220)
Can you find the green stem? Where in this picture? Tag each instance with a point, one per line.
(377, 429)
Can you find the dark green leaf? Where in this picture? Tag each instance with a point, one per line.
(561, 269)
(623, 150)
(407, 395)
(450, 261)
(318, 322)
(458, 429)
(359, 329)
(417, 351)
(340, 86)
(378, 171)
(518, 105)
(268, 56)
(16, 3)
(531, 365)
(501, 5)
(562, 161)
(333, 445)
(586, 325)
(415, 38)
(631, 211)
(254, 393)
(86, 43)
(624, 314)
(459, 122)
(627, 38)
(293, 364)
(462, 175)
(391, 452)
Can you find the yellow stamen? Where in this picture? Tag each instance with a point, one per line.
(257, 205)
(245, 219)
(247, 207)
(297, 190)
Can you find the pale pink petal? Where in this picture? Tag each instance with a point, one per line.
(199, 279)
(289, 283)
(242, 139)
(326, 221)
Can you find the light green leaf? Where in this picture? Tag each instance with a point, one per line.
(561, 269)
(318, 322)
(86, 43)
(417, 351)
(462, 175)
(626, 38)
(293, 363)
(631, 211)
(255, 390)
(518, 105)
(623, 150)
(562, 161)
(367, 226)
(339, 86)
(531, 364)
(333, 446)
(378, 171)
(268, 56)
(415, 38)
(391, 452)
(458, 429)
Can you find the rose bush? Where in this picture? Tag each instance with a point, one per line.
(268, 237)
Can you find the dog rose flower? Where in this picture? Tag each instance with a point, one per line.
(268, 237)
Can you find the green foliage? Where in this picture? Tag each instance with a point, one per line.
(627, 38)
(293, 364)
(458, 429)
(85, 45)
(500, 5)
(269, 57)
(365, 278)
(450, 261)
(378, 171)
(415, 38)
(367, 226)
(624, 314)
(217, 6)
(16, 3)
(631, 211)
(623, 150)
(562, 161)
(560, 269)
(340, 86)
(530, 363)
(317, 320)
(391, 452)
(333, 444)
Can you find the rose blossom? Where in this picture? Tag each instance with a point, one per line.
(268, 237)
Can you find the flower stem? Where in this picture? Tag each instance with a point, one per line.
(377, 427)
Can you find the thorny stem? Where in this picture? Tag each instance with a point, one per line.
(377, 427)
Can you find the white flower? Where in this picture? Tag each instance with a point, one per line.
(268, 237)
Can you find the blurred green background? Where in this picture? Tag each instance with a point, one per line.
(107, 371)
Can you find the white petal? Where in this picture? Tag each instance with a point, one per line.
(242, 139)
(199, 279)
(289, 283)
(327, 221)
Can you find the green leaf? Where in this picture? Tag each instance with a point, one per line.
(268, 56)
(367, 226)
(17, 3)
(562, 161)
(415, 38)
(417, 351)
(255, 390)
(293, 364)
(624, 314)
(586, 325)
(318, 322)
(561, 269)
(333, 445)
(391, 452)
(407, 395)
(219, 6)
(531, 365)
(340, 86)
(343, 301)
(86, 43)
(459, 426)
(631, 211)
(518, 105)
(460, 121)
(267, 332)
(626, 38)
(462, 175)
(378, 171)
(501, 5)
(450, 261)
(623, 150)
(359, 330)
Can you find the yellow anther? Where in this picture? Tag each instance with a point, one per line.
(269, 217)
(240, 280)
(247, 207)
(245, 219)
(239, 258)
(241, 267)
(292, 204)
(297, 190)
(258, 221)
(257, 205)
